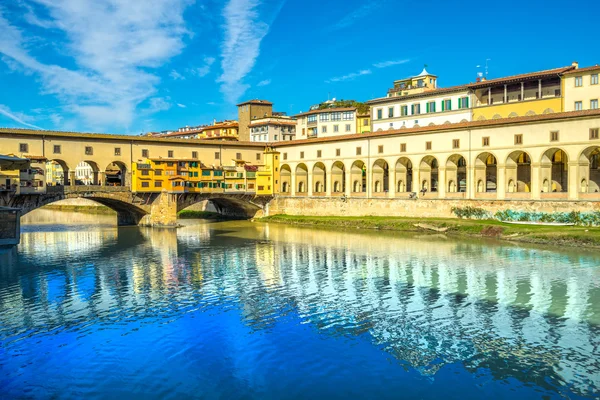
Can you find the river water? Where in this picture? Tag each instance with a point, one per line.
(240, 310)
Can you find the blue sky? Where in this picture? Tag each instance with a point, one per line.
(129, 66)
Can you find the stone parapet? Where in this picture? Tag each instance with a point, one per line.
(426, 208)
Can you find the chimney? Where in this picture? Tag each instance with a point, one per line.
(575, 64)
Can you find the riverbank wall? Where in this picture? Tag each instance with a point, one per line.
(419, 208)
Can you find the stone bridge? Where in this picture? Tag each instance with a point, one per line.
(152, 209)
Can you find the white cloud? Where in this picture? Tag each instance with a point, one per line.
(205, 69)
(114, 44)
(350, 76)
(176, 75)
(181, 105)
(19, 118)
(157, 104)
(356, 15)
(264, 83)
(244, 29)
(211, 103)
(390, 63)
(56, 119)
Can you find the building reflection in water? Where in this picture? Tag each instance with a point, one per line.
(428, 301)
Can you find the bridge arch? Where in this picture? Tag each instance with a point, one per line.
(128, 213)
(239, 206)
(117, 174)
(57, 172)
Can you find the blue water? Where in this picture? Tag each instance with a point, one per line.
(238, 310)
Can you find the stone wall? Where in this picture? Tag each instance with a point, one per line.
(77, 202)
(433, 208)
(163, 211)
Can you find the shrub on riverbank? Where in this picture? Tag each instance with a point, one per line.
(573, 217)
(471, 213)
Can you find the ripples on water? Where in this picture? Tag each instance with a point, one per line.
(241, 310)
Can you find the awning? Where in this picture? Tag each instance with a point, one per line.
(13, 163)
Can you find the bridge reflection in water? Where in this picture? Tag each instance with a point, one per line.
(522, 313)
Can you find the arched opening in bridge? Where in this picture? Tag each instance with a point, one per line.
(301, 178)
(404, 175)
(286, 178)
(319, 178)
(456, 174)
(338, 177)
(57, 173)
(429, 174)
(358, 176)
(518, 172)
(96, 209)
(228, 206)
(86, 173)
(554, 171)
(115, 174)
(381, 176)
(486, 170)
(589, 170)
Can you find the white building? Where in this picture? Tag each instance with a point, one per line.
(84, 173)
(417, 101)
(272, 129)
(326, 122)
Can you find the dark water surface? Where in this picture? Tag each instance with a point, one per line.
(239, 310)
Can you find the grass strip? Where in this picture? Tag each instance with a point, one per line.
(552, 235)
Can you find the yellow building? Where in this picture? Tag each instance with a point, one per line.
(191, 176)
(224, 130)
(268, 175)
(529, 94)
(415, 84)
(363, 123)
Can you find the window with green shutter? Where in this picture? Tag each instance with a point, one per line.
(427, 107)
(459, 103)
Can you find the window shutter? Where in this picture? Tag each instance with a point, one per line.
(466, 102)
(412, 109)
(459, 102)
(443, 104)
(427, 107)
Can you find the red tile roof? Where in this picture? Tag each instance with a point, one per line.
(427, 93)
(256, 102)
(514, 78)
(121, 138)
(580, 70)
(326, 110)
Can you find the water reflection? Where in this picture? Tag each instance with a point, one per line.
(530, 314)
